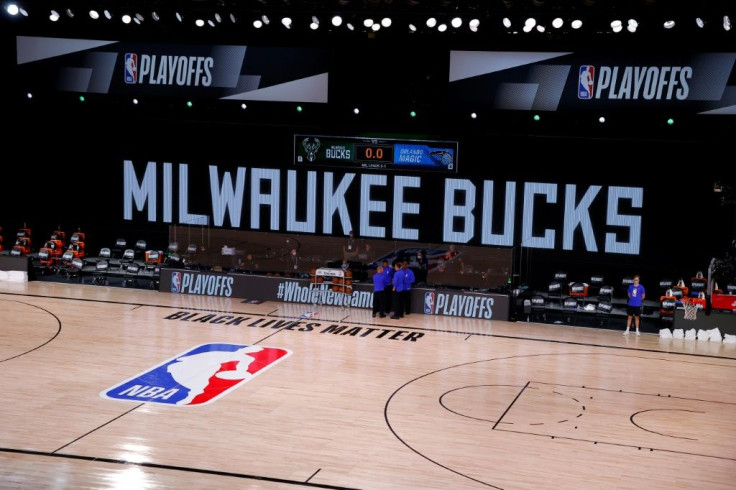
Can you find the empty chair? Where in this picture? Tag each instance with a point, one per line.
(667, 306)
(596, 281)
(603, 313)
(99, 275)
(570, 307)
(538, 308)
(578, 289)
(105, 253)
(129, 254)
(173, 247)
(605, 293)
(554, 292)
(698, 284)
(561, 276)
(130, 278)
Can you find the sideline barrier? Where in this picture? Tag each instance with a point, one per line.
(441, 302)
(14, 269)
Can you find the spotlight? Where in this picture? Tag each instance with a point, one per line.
(126, 19)
(179, 17)
(386, 22)
(350, 26)
(632, 25)
(315, 23)
(473, 24)
(286, 21)
(669, 24)
(726, 23)
(616, 26)
(155, 16)
(531, 22)
(243, 106)
(507, 23)
(375, 27)
(431, 22)
(140, 17)
(211, 23)
(473, 115)
(199, 23)
(442, 27)
(700, 22)
(576, 24)
(540, 28)
(233, 19)
(456, 22)
(94, 15)
(70, 13)
(12, 9)
(601, 119)
(337, 21)
(368, 23)
(29, 95)
(257, 24)
(557, 23)
(54, 16)
(135, 101)
(356, 111)
(218, 18)
(266, 20)
(107, 14)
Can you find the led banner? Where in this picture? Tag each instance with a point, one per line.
(439, 302)
(415, 208)
(703, 83)
(283, 74)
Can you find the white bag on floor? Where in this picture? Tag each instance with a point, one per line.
(678, 333)
(690, 334)
(703, 334)
(729, 339)
(664, 333)
(714, 335)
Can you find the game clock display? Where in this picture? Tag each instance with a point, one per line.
(375, 153)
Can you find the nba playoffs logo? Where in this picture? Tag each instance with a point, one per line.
(198, 376)
(585, 82)
(131, 68)
(429, 303)
(176, 282)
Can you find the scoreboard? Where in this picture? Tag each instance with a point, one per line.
(376, 153)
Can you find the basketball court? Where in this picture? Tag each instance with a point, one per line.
(346, 400)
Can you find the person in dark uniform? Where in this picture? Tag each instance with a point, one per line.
(379, 295)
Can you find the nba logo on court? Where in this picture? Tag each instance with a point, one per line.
(175, 282)
(198, 376)
(131, 68)
(585, 82)
(429, 303)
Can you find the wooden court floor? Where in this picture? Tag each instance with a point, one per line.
(352, 401)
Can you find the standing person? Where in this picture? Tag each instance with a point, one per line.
(408, 281)
(388, 292)
(636, 294)
(398, 287)
(422, 268)
(379, 295)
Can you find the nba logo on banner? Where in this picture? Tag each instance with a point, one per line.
(198, 376)
(176, 282)
(131, 68)
(585, 82)
(429, 303)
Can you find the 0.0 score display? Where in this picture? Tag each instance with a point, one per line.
(374, 153)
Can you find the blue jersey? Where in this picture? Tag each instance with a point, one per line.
(399, 280)
(636, 294)
(408, 278)
(379, 282)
